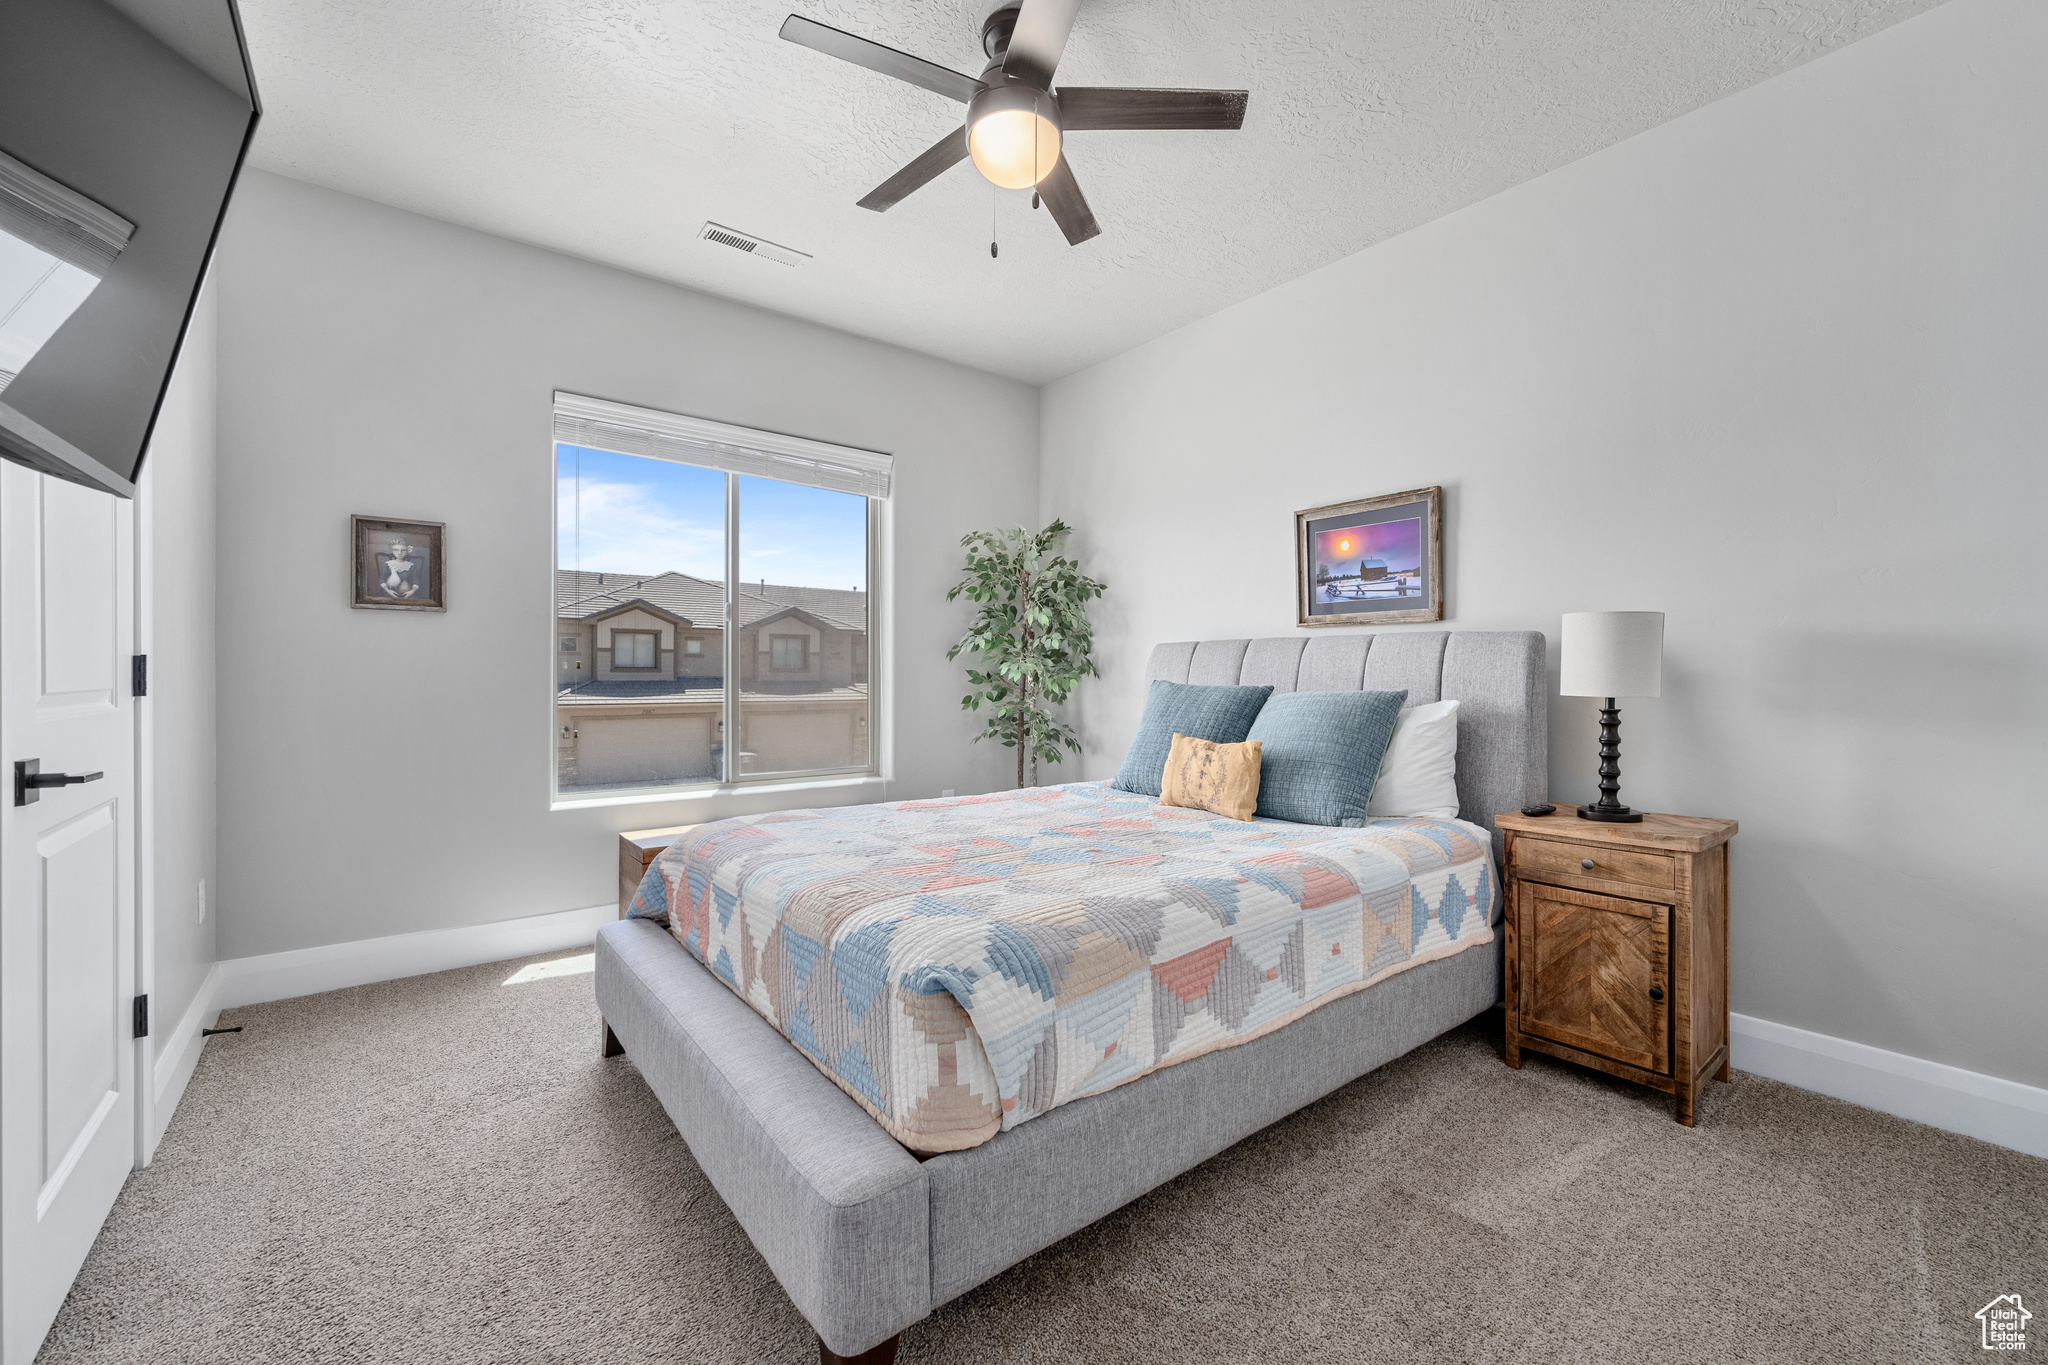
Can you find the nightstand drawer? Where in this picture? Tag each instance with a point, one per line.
(1537, 857)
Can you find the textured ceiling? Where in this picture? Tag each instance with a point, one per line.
(611, 129)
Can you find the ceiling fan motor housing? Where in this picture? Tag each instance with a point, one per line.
(996, 31)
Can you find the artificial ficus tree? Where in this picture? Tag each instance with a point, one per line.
(1031, 638)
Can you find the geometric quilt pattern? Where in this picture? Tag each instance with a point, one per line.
(962, 966)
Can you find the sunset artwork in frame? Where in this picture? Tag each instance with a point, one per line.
(1377, 561)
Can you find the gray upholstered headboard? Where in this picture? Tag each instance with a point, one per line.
(1496, 676)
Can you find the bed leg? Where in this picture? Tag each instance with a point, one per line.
(612, 1046)
(885, 1354)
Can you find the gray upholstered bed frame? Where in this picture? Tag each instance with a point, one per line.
(866, 1237)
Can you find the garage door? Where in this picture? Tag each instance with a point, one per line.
(793, 741)
(615, 751)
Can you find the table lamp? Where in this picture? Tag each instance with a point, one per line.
(1611, 654)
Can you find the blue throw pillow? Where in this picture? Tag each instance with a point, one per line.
(1320, 753)
(1218, 714)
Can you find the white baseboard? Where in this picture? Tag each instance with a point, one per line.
(2008, 1113)
(180, 1055)
(2005, 1112)
(335, 966)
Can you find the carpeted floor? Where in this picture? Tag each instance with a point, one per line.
(442, 1170)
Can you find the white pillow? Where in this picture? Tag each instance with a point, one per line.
(1419, 774)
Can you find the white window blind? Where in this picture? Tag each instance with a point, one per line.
(599, 424)
(632, 649)
(54, 220)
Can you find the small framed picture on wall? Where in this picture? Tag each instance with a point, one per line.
(399, 565)
(1377, 561)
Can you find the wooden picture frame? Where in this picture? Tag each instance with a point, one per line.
(397, 565)
(1349, 572)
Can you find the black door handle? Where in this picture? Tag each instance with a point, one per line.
(1656, 992)
(30, 779)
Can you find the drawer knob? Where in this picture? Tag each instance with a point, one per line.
(1586, 863)
(1656, 992)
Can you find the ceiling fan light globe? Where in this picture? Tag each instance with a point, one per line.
(1013, 134)
(1010, 151)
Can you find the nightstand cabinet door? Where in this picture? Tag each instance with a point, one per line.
(1595, 973)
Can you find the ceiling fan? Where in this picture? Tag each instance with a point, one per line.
(1015, 119)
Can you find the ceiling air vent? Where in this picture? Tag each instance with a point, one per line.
(746, 241)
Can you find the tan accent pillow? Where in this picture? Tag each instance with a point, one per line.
(1222, 779)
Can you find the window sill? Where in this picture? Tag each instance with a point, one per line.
(873, 784)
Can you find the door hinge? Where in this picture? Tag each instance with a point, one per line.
(141, 1016)
(138, 676)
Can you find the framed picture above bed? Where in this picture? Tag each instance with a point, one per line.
(1376, 561)
(398, 565)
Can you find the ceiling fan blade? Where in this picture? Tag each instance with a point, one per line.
(929, 165)
(1038, 40)
(1062, 196)
(1095, 107)
(838, 43)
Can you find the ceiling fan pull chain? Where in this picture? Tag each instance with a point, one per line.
(1036, 174)
(993, 200)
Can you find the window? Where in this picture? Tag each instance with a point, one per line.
(634, 648)
(710, 526)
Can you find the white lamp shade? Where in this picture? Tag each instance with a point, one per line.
(1612, 654)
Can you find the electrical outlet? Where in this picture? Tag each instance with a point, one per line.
(947, 792)
(202, 900)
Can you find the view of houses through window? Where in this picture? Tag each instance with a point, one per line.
(641, 610)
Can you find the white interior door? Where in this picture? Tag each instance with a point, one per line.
(67, 889)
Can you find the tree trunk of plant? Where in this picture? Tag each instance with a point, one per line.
(1031, 711)
(1023, 721)
(1024, 682)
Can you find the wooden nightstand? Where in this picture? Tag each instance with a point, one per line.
(1617, 946)
(638, 849)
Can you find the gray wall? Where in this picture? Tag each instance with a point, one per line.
(384, 772)
(177, 502)
(1774, 369)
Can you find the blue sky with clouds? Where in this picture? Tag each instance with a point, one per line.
(629, 514)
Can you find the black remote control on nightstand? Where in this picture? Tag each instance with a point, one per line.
(1543, 808)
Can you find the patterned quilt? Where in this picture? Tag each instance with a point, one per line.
(960, 967)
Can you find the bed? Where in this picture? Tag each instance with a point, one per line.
(868, 1235)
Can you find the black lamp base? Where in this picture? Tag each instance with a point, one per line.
(1608, 808)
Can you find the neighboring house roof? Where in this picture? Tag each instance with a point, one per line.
(797, 614)
(638, 604)
(648, 691)
(842, 607)
(583, 595)
(643, 690)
